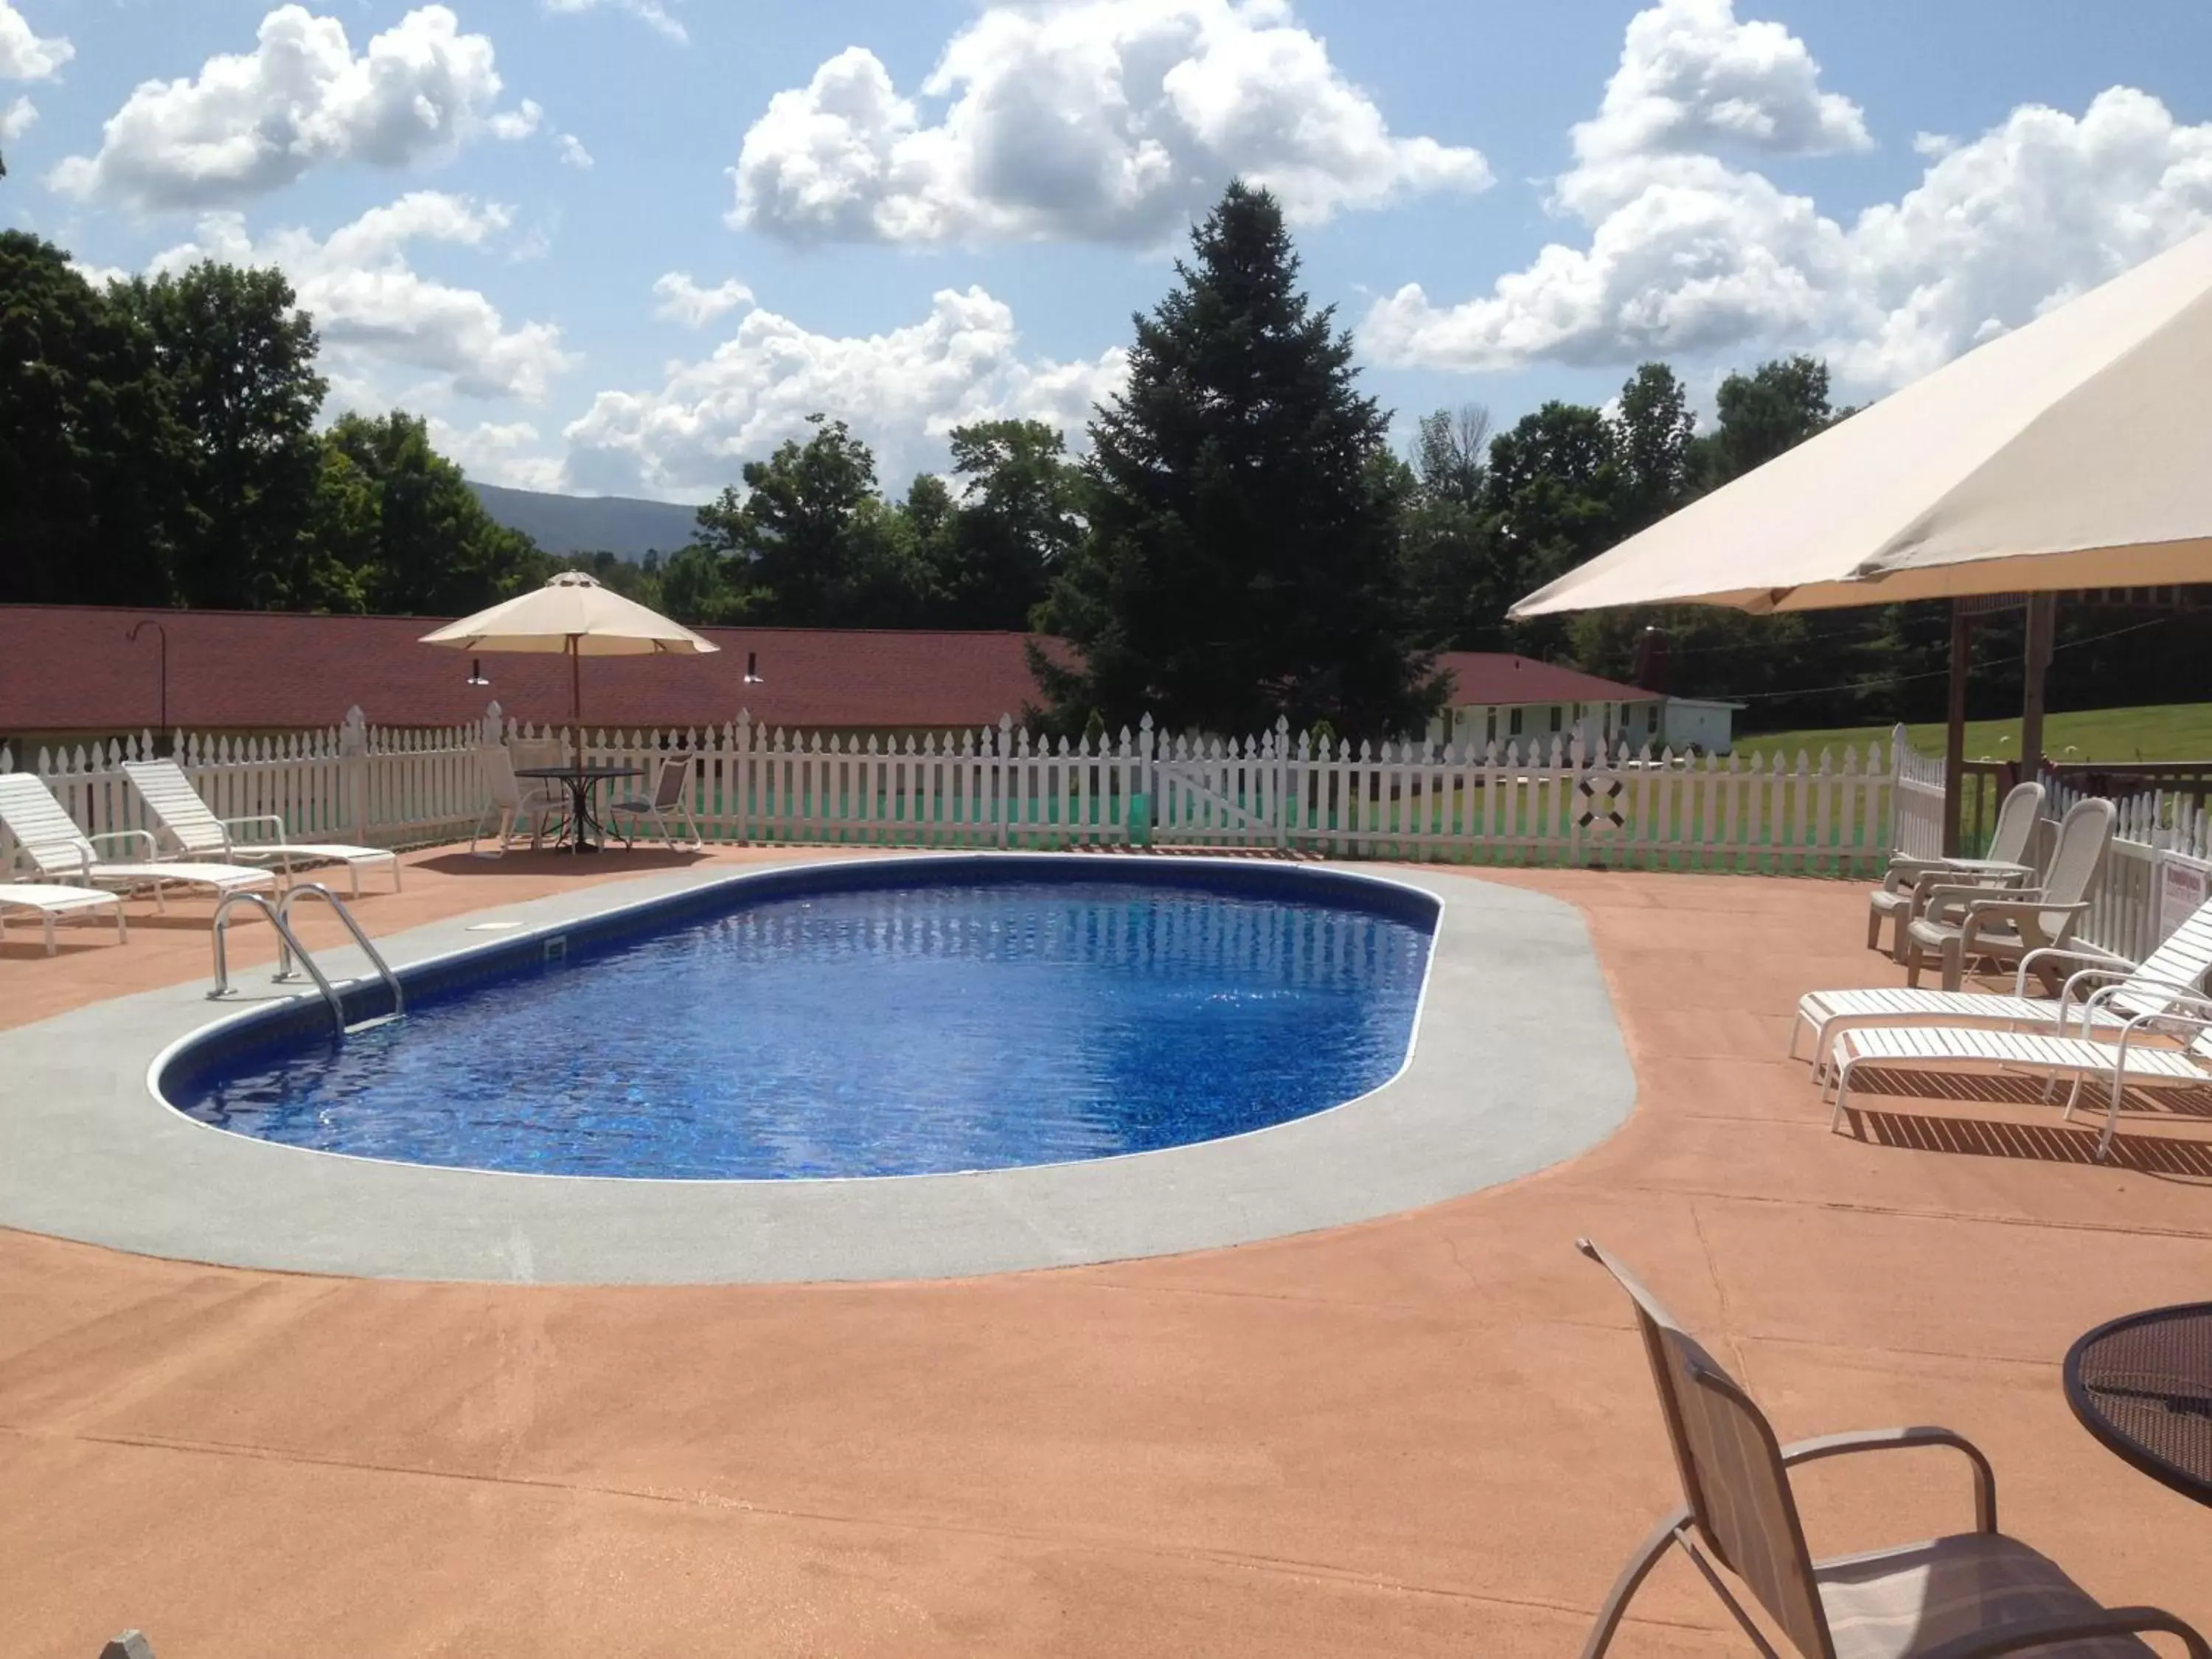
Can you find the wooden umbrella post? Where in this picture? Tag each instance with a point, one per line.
(2035, 668)
(1954, 735)
(576, 695)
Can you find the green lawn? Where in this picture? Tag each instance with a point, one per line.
(2170, 732)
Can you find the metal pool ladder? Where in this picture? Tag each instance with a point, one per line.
(291, 955)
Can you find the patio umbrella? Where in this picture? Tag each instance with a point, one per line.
(574, 615)
(2070, 453)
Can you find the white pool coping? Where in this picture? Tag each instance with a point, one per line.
(1517, 1064)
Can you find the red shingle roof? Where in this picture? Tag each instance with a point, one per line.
(1500, 679)
(66, 668)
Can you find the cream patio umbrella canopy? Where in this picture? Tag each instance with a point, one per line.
(2074, 452)
(574, 615)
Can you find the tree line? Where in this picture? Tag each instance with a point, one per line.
(1240, 543)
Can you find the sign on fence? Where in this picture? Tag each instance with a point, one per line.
(2182, 890)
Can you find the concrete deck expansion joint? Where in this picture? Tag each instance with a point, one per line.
(1517, 1063)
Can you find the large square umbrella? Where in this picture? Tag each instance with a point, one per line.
(2071, 454)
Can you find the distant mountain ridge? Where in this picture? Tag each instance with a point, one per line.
(562, 525)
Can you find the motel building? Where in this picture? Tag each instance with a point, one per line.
(1499, 697)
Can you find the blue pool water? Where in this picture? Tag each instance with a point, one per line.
(924, 1028)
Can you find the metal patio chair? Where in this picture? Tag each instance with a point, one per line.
(1963, 1596)
(671, 799)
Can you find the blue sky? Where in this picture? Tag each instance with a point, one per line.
(913, 212)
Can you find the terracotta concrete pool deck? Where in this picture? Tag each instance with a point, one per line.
(1428, 1435)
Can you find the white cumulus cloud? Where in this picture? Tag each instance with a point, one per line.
(902, 391)
(1692, 79)
(24, 54)
(372, 308)
(683, 300)
(650, 13)
(18, 118)
(497, 452)
(1687, 249)
(572, 151)
(1105, 120)
(252, 122)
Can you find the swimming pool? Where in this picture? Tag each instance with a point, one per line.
(860, 1022)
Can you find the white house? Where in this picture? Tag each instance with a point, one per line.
(1499, 697)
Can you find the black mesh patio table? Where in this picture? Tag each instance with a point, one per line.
(2142, 1384)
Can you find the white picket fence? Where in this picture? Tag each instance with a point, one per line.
(1544, 802)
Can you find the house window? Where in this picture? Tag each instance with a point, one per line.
(1490, 736)
(1516, 723)
(1651, 718)
(1558, 717)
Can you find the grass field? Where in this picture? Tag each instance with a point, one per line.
(2168, 732)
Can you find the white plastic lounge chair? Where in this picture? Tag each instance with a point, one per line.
(515, 807)
(1965, 1595)
(2128, 1059)
(2097, 999)
(668, 800)
(189, 822)
(1904, 891)
(50, 902)
(1962, 924)
(49, 841)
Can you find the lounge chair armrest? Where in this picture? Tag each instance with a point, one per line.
(43, 853)
(231, 826)
(2071, 990)
(2090, 954)
(1905, 1439)
(2021, 1635)
(2014, 909)
(153, 848)
(1966, 881)
(2194, 1021)
(2191, 995)
(1954, 897)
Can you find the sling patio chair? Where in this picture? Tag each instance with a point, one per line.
(1904, 890)
(670, 799)
(49, 841)
(2135, 1055)
(1963, 924)
(1962, 1596)
(188, 821)
(516, 802)
(49, 903)
(2099, 998)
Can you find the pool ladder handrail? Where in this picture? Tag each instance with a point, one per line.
(290, 951)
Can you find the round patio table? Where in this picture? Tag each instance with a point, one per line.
(582, 781)
(2142, 1384)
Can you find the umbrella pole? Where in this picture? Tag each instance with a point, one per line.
(1954, 732)
(576, 697)
(2042, 630)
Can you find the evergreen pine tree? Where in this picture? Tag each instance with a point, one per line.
(1240, 555)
